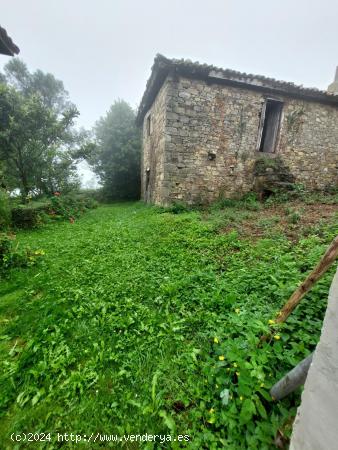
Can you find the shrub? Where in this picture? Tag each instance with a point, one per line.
(5, 244)
(90, 203)
(63, 208)
(87, 199)
(224, 203)
(178, 208)
(27, 216)
(5, 212)
(294, 217)
(59, 207)
(12, 256)
(70, 206)
(248, 201)
(95, 194)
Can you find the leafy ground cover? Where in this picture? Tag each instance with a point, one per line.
(137, 320)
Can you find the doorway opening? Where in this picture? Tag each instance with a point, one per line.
(270, 125)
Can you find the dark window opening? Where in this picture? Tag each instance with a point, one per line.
(269, 126)
(149, 130)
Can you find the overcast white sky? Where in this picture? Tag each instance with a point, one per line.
(103, 49)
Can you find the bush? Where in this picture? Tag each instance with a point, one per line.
(95, 194)
(178, 208)
(63, 208)
(59, 207)
(293, 216)
(27, 216)
(88, 199)
(5, 245)
(70, 206)
(5, 212)
(12, 256)
(90, 203)
(224, 203)
(249, 201)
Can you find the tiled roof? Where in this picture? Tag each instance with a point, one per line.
(7, 46)
(163, 66)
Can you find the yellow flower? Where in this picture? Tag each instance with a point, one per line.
(211, 411)
(241, 398)
(271, 322)
(216, 340)
(277, 337)
(221, 358)
(237, 310)
(235, 364)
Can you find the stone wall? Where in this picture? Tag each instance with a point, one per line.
(152, 166)
(209, 133)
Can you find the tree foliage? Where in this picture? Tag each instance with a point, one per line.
(38, 144)
(116, 158)
(51, 90)
(32, 143)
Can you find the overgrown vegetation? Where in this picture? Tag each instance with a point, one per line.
(30, 216)
(5, 210)
(40, 146)
(13, 256)
(145, 321)
(15, 215)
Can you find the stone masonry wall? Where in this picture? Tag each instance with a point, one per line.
(154, 150)
(210, 141)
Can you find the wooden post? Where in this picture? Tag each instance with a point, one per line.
(324, 264)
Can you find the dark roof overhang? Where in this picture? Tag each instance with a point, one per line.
(7, 46)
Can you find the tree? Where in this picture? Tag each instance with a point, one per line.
(33, 141)
(39, 147)
(50, 89)
(116, 158)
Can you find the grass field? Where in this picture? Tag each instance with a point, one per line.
(138, 320)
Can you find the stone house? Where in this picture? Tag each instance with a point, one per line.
(210, 133)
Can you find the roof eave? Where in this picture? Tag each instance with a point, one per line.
(163, 66)
(7, 46)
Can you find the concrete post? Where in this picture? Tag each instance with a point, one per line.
(316, 423)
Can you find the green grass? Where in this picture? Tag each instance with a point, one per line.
(136, 320)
